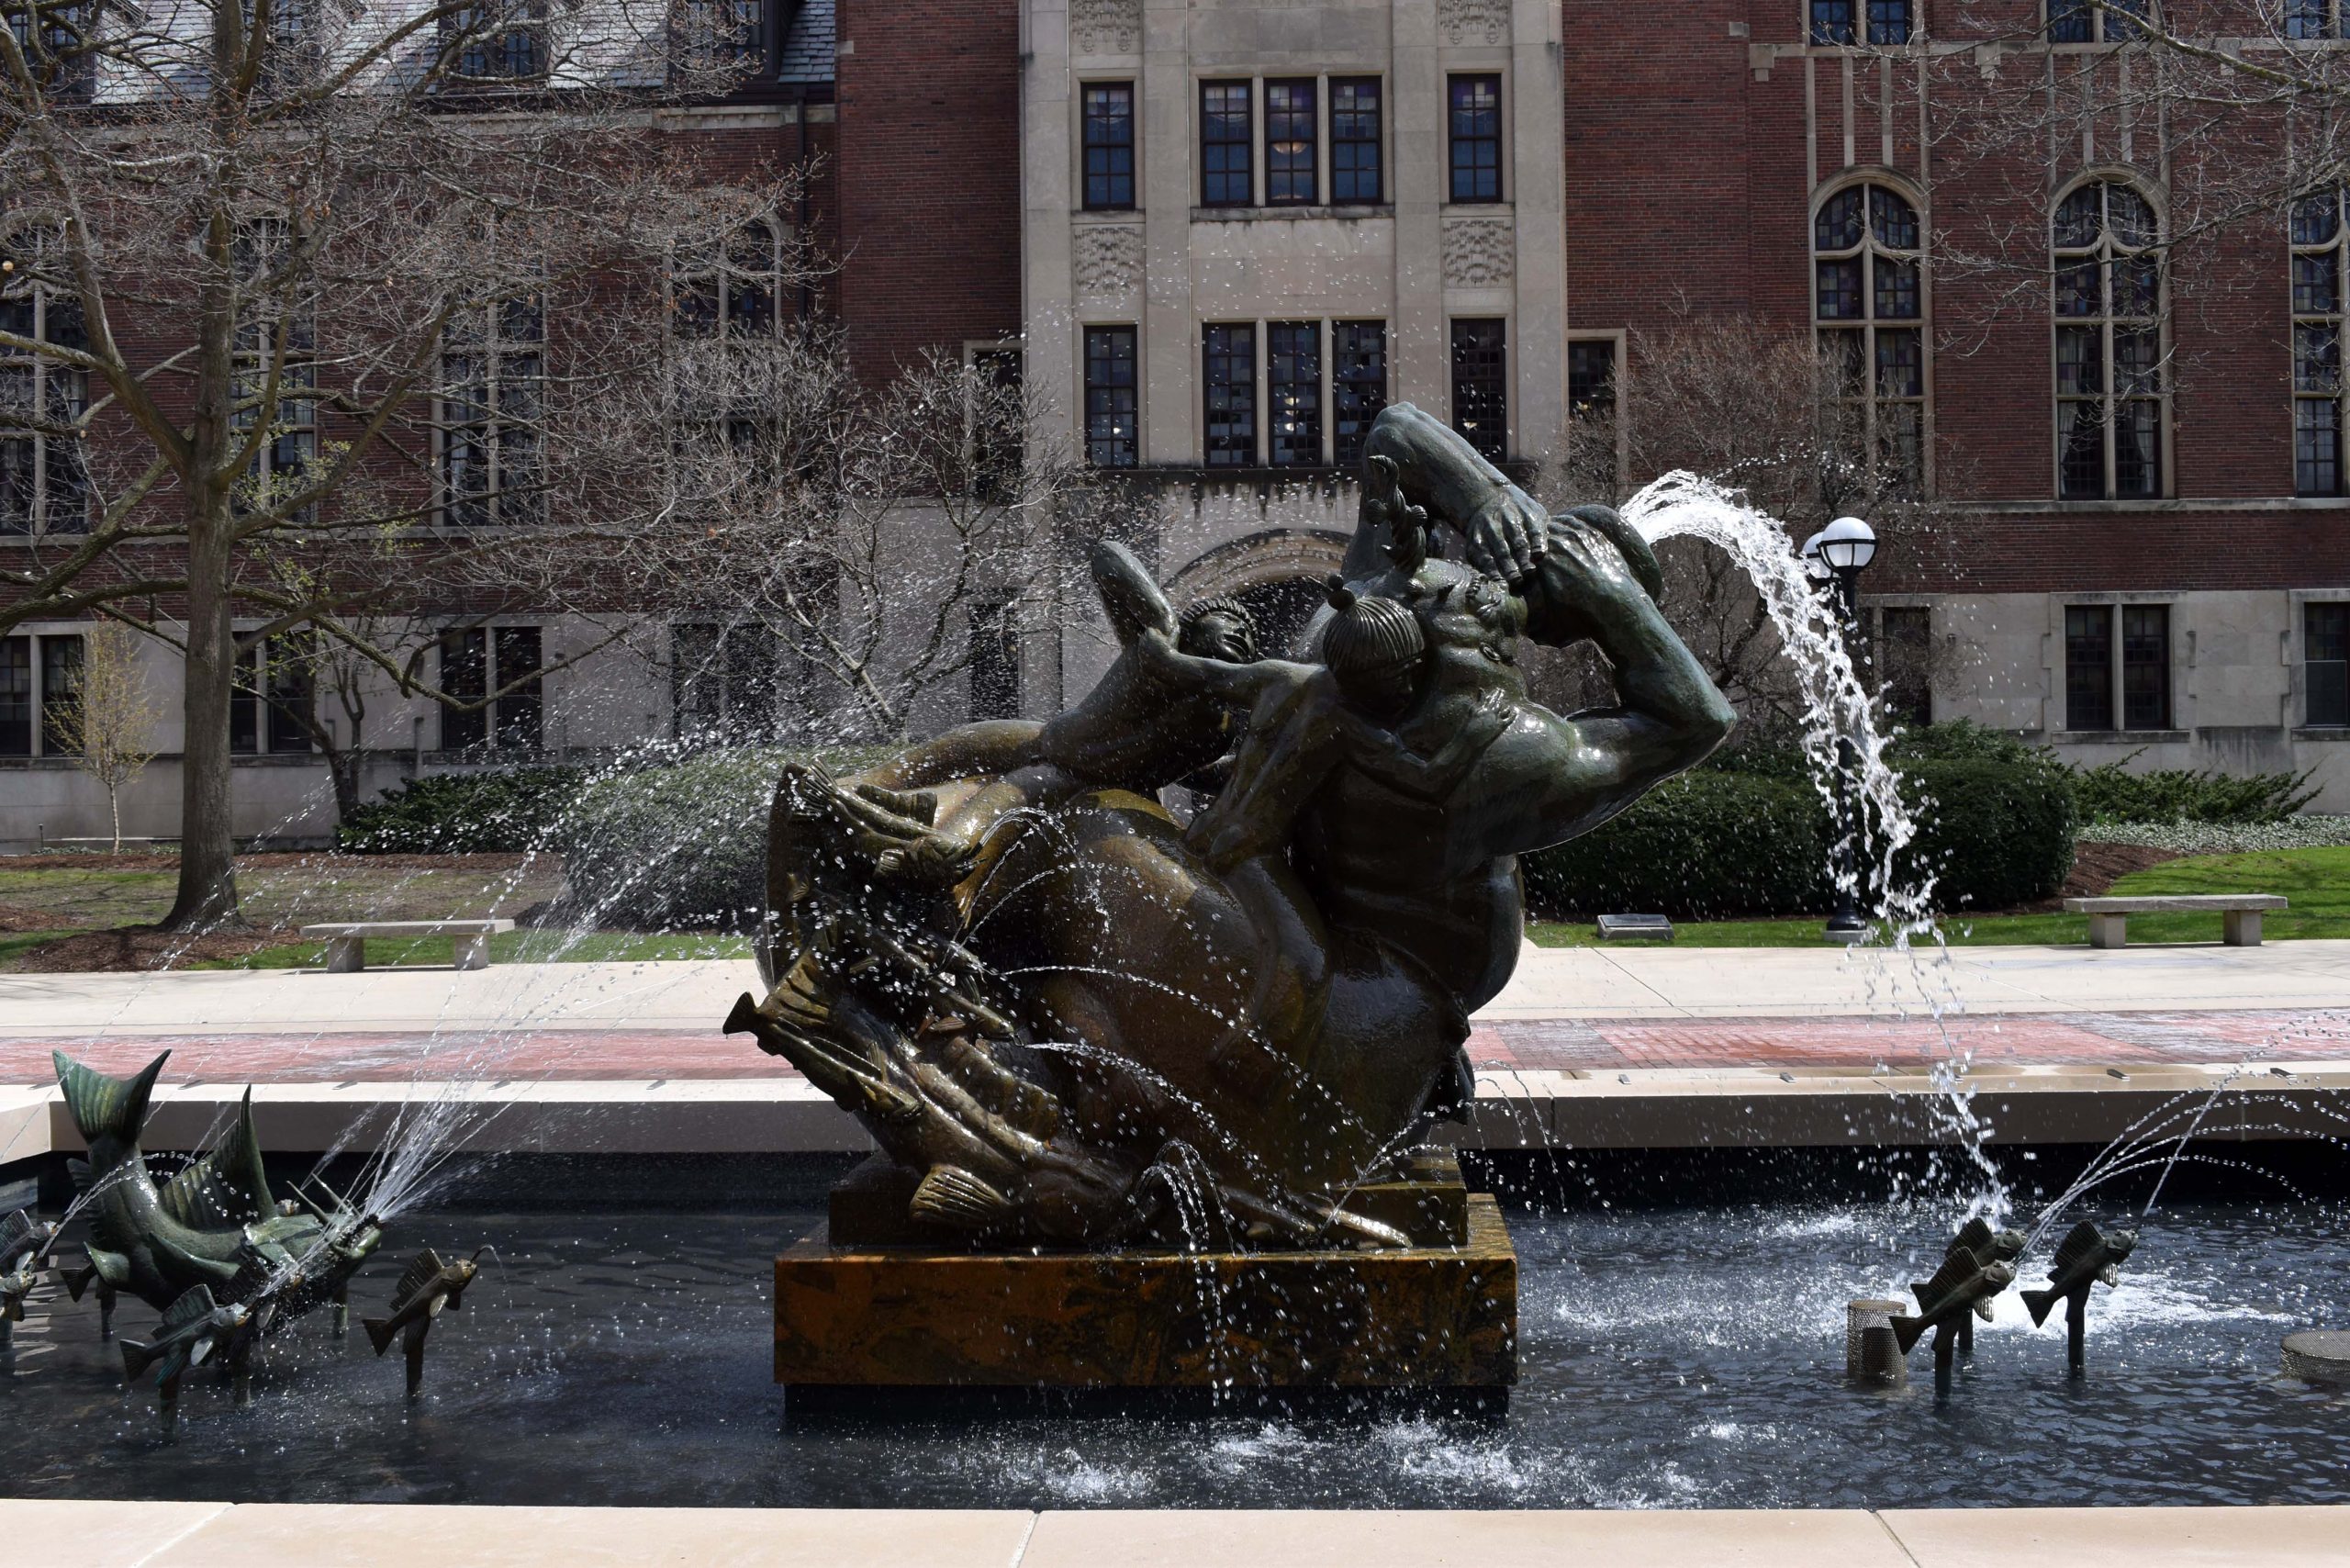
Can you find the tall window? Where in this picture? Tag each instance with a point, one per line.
(2087, 21)
(1476, 138)
(1355, 143)
(1840, 21)
(490, 369)
(722, 684)
(1481, 385)
(276, 380)
(1229, 367)
(1903, 658)
(273, 690)
(2142, 698)
(1292, 118)
(44, 487)
(61, 690)
(473, 664)
(2088, 667)
(2319, 251)
(1868, 303)
(59, 53)
(1358, 386)
(2110, 371)
(1294, 392)
(2325, 666)
(1227, 140)
(15, 696)
(1113, 423)
(498, 40)
(1590, 405)
(733, 293)
(1109, 146)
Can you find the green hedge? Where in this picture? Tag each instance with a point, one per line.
(1707, 846)
(679, 846)
(1742, 842)
(500, 810)
(2109, 794)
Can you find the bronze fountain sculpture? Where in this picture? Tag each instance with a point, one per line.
(1075, 1025)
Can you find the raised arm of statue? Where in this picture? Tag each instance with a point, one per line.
(1505, 528)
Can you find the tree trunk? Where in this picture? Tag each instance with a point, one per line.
(114, 809)
(343, 767)
(207, 888)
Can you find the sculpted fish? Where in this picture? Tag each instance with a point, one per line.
(2086, 1256)
(1963, 1283)
(427, 1287)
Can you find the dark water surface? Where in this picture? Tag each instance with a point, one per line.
(1670, 1356)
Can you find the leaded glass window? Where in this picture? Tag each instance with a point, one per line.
(1481, 385)
(2090, 21)
(1356, 147)
(1358, 386)
(1226, 144)
(1113, 412)
(44, 483)
(1868, 306)
(1229, 375)
(1292, 116)
(1476, 138)
(2111, 375)
(492, 362)
(1109, 146)
(2319, 244)
(1293, 392)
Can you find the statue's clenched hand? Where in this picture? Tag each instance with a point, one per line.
(1507, 534)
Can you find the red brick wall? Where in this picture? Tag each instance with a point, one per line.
(929, 176)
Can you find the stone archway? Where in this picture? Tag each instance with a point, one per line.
(1277, 572)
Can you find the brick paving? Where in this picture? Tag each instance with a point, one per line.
(647, 1055)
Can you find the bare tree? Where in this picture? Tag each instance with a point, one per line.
(108, 724)
(1761, 408)
(292, 275)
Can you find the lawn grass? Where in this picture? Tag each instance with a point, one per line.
(507, 947)
(2316, 880)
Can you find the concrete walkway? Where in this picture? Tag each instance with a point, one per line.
(217, 1535)
(1552, 983)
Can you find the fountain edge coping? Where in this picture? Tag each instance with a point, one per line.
(200, 1535)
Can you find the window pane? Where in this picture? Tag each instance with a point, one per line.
(464, 676)
(1831, 21)
(1888, 21)
(2076, 290)
(2080, 442)
(1358, 383)
(2079, 362)
(2325, 649)
(2128, 217)
(1290, 117)
(1839, 290)
(2315, 218)
(1110, 146)
(286, 672)
(2137, 448)
(2145, 667)
(2088, 667)
(61, 689)
(2309, 19)
(2317, 446)
(2314, 292)
(2137, 361)
(15, 696)
(1112, 436)
(244, 702)
(1476, 121)
(1900, 363)
(1294, 378)
(1902, 672)
(521, 712)
(1480, 386)
(1230, 363)
(2079, 220)
(1838, 226)
(2137, 286)
(1355, 161)
(1892, 219)
(1896, 289)
(1225, 142)
(1846, 360)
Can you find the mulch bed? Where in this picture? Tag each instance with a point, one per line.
(2096, 867)
(141, 947)
(150, 860)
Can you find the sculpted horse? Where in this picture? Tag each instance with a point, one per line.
(1077, 1021)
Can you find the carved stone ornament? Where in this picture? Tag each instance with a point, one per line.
(1473, 22)
(1479, 252)
(1104, 27)
(1108, 263)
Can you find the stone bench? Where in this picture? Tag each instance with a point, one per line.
(2109, 917)
(347, 941)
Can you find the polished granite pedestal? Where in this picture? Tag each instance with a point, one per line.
(868, 1303)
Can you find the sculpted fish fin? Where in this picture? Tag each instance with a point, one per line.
(1906, 1330)
(79, 1169)
(1983, 1308)
(226, 1187)
(111, 1268)
(2076, 1245)
(194, 1302)
(2037, 1303)
(2110, 1273)
(422, 1270)
(17, 1230)
(137, 1357)
(1974, 1235)
(104, 1106)
(953, 1197)
(379, 1332)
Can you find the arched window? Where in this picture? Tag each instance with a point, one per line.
(2319, 252)
(733, 293)
(1868, 302)
(44, 487)
(2090, 21)
(2111, 385)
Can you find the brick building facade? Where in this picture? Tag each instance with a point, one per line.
(1223, 233)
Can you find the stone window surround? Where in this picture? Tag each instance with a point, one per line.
(1260, 326)
(1466, 62)
(2293, 649)
(1863, 175)
(36, 635)
(2165, 481)
(1082, 82)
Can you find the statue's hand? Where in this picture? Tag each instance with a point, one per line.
(1508, 535)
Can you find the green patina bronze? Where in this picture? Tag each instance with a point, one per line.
(1077, 1021)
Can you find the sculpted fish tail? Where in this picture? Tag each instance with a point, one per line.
(103, 1105)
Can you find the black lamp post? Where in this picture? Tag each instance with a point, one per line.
(1840, 552)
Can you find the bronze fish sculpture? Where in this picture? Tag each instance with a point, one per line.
(1977, 1238)
(1965, 1284)
(427, 1287)
(2086, 1256)
(193, 1328)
